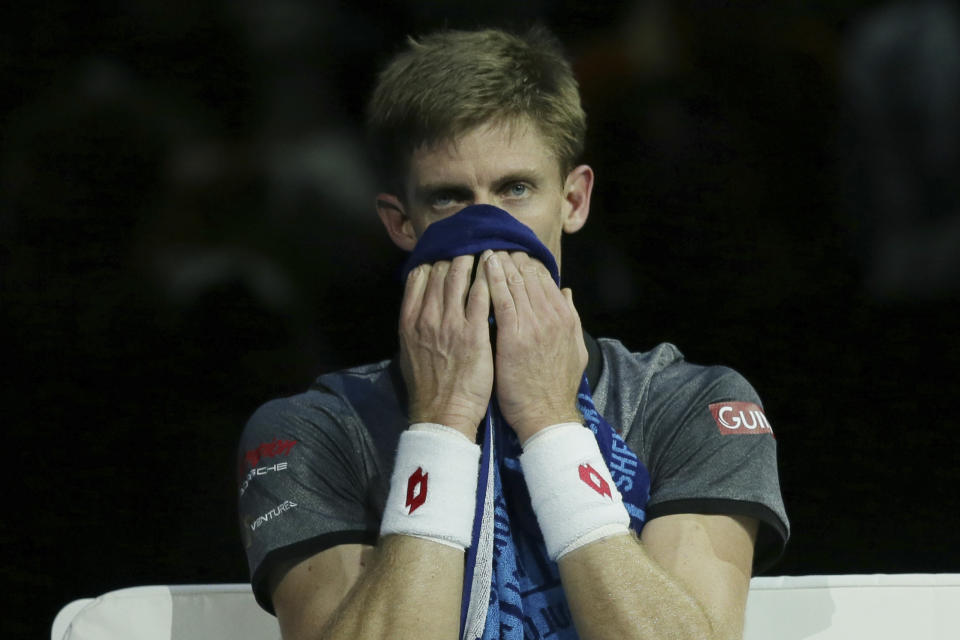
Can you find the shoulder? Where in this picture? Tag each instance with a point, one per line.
(703, 435)
(684, 387)
(637, 387)
(668, 402)
(292, 423)
(661, 379)
(309, 472)
(327, 419)
(622, 360)
(625, 379)
(328, 399)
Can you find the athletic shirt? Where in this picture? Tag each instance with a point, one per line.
(314, 468)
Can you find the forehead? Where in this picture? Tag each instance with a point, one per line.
(498, 147)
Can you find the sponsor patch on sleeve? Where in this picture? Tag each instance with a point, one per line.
(277, 447)
(740, 418)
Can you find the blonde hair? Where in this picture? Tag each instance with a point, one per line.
(447, 83)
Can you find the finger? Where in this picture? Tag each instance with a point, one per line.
(503, 308)
(518, 288)
(413, 293)
(568, 301)
(456, 285)
(553, 299)
(581, 345)
(431, 310)
(478, 300)
(537, 289)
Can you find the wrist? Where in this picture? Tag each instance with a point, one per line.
(433, 486)
(463, 420)
(438, 428)
(571, 490)
(528, 428)
(546, 430)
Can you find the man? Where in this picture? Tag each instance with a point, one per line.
(487, 118)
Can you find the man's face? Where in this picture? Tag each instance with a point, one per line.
(510, 167)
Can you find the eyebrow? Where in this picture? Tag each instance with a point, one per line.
(531, 177)
(426, 192)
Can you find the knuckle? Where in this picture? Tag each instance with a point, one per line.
(503, 305)
(476, 339)
(407, 322)
(424, 324)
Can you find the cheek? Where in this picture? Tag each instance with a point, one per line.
(421, 220)
(549, 231)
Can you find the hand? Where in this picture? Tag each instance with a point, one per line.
(540, 350)
(445, 351)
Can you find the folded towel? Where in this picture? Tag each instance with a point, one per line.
(511, 588)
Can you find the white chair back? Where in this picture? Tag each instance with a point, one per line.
(851, 607)
(838, 607)
(175, 612)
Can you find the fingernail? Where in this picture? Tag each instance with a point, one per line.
(492, 259)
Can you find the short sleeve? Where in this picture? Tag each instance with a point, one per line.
(711, 449)
(303, 483)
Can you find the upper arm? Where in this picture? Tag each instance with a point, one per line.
(711, 557)
(305, 486)
(710, 449)
(307, 593)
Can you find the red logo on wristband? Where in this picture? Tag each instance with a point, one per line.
(416, 490)
(594, 480)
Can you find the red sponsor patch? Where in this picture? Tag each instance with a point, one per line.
(268, 450)
(740, 417)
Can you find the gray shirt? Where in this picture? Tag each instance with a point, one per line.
(314, 468)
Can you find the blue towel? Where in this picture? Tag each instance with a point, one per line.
(507, 556)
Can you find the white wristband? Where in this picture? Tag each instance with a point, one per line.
(433, 487)
(572, 492)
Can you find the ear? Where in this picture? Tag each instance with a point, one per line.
(395, 220)
(576, 195)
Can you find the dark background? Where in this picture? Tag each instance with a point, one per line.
(187, 230)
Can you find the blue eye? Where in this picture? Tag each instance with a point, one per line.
(517, 189)
(443, 200)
